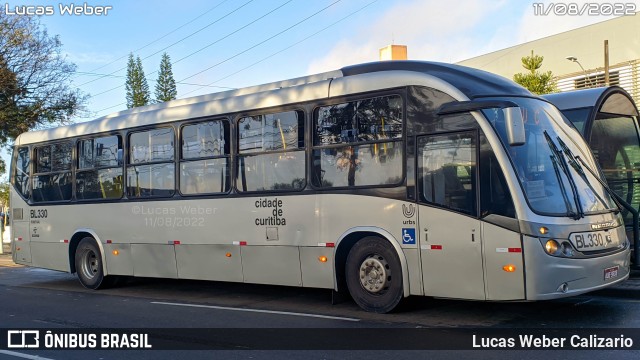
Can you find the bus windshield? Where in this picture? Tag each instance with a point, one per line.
(553, 181)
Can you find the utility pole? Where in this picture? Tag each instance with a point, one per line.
(606, 62)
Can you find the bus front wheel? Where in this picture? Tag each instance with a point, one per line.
(374, 275)
(88, 260)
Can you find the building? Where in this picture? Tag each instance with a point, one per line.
(576, 57)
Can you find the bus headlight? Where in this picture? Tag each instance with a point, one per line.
(551, 247)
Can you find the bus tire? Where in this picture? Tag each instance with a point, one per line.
(89, 269)
(374, 275)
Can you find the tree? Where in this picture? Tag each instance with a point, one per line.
(35, 79)
(535, 81)
(4, 195)
(166, 85)
(136, 85)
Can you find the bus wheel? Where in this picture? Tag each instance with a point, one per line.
(374, 275)
(88, 261)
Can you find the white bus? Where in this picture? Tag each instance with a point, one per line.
(383, 180)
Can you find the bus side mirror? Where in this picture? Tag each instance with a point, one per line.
(515, 126)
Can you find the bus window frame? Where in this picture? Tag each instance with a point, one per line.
(72, 169)
(236, 154)
(179, 159)
(477, 186)
(122, 167)
(128, 132)
(12, 169)
(404, 139)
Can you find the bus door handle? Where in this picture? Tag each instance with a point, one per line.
(473, 237)
(426, 234)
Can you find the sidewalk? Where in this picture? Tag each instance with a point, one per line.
(5, 258)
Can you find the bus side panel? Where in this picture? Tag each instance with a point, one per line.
(118, 259)
(154, 260)
(277, 265)
(20, 238)
(502, 247)
(50, 255)
(209, 262)
(316, 273)
(20, 241)
(414, 268)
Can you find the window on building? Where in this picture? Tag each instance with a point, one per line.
(596, 80)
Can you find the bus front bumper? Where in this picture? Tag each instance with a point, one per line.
(549, 277)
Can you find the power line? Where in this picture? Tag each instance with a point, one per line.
(240, 53)
(177, 42)
(286, 48)
(274, 54)
(231, 33)
(264, 41)
(163, 36)
(123, 77)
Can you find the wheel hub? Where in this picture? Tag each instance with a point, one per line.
(373, 274)
(90, 264)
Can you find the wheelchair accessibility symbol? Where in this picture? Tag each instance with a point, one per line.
(409, 236)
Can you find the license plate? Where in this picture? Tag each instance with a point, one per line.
(594, 240)
(611, 273)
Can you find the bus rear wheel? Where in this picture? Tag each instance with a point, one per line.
(374, 275)
(89, 267)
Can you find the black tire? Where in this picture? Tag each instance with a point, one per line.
(89, 267)
(374, 275)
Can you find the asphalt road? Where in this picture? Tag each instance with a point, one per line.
(43, 299)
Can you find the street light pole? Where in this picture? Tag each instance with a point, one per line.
(575, 60)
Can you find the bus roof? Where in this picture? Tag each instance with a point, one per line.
(462, 82)
(611, 99)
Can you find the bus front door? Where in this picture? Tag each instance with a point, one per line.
(450, 231)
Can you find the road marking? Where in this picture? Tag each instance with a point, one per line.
(257, 311)
(24, 356)
(583, 302)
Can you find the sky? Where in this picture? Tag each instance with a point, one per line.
(216, 45)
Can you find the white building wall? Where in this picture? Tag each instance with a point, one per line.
(586, 44)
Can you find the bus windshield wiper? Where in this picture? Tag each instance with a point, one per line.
(580, 170)
(558, 160)
(567, 203)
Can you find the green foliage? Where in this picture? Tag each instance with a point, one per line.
(535, 81)
(136, 85)
(35, 79)
(166, 85)
(4, 194)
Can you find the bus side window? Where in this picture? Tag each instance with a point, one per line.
(271, 152)
(150, 172)
(495, 197)
(205, 158)
(52, 181)
(447, 171)
(359, 143)
(21, 173)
